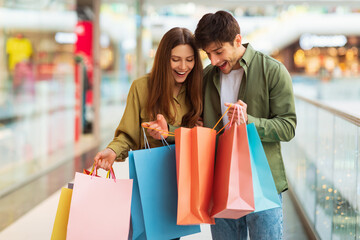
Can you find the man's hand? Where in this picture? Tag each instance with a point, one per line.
(105, 159)
(232, 113)
(160, 125)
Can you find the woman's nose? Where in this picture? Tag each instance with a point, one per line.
(182, 65)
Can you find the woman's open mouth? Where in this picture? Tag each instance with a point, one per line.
(181, 74)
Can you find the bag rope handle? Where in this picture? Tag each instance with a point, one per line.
(92, 169)
(237, 107)
(146, 141)
(164, 141)
(162, 132)
(110, 172)
(220, 120)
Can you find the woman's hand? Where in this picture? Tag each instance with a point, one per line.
(242, 114)
(157, 128)
(105, 159)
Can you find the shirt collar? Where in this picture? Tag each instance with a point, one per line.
(182, 89)
(248, 55)
(181, 93)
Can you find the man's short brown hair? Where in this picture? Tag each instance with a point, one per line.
(216, 27)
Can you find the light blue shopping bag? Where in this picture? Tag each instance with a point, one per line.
(265, 193)
(137, 219)
(154, 199)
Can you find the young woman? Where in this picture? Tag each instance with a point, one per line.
(171, 93)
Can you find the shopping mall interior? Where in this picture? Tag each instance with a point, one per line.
(66, 67)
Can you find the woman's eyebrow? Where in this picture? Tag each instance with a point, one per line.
(180, 57)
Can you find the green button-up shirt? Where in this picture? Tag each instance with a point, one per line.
(266, 88)
(129, 134)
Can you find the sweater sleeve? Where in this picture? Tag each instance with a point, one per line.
(281, 124)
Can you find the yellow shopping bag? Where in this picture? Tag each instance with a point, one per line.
(62, 215)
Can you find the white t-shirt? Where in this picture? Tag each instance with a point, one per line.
(230, 85)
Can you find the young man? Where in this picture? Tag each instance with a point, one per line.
(263, 88)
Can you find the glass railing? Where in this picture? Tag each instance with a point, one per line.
(322, 164)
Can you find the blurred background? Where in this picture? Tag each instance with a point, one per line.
(66, 67)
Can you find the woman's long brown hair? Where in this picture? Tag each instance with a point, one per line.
(161, 81)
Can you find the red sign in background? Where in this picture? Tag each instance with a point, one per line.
(83, 49)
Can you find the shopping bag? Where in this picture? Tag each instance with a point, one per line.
(233, 188)
(62, 215)
(154, 202)
(195, 153)
(137, 216)
(87, 172)
(100, 208)
(265, 193)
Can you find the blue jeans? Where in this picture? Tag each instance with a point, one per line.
(261, 225)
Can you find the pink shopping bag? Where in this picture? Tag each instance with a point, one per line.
(100, 208)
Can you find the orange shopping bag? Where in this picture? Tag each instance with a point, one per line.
(233, 195)
(195, 153)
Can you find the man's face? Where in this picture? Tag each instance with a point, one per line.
(225, 56)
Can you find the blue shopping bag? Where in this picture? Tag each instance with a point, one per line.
(154, 201)
(137, 219)
(265, 193)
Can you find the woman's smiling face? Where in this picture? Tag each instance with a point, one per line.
(182, 61)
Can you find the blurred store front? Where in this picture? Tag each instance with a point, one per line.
(42, 58)
(36, 87)
(323, 56)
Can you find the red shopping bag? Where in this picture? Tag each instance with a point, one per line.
(100, 208)
(233, 195)
(195, 153)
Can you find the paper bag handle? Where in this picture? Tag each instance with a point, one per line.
(108, 174)
(163, 132)
(230, 122)
(238, 108)
(92, 169)
(146, 142)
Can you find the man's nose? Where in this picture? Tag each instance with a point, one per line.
(214, 60)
